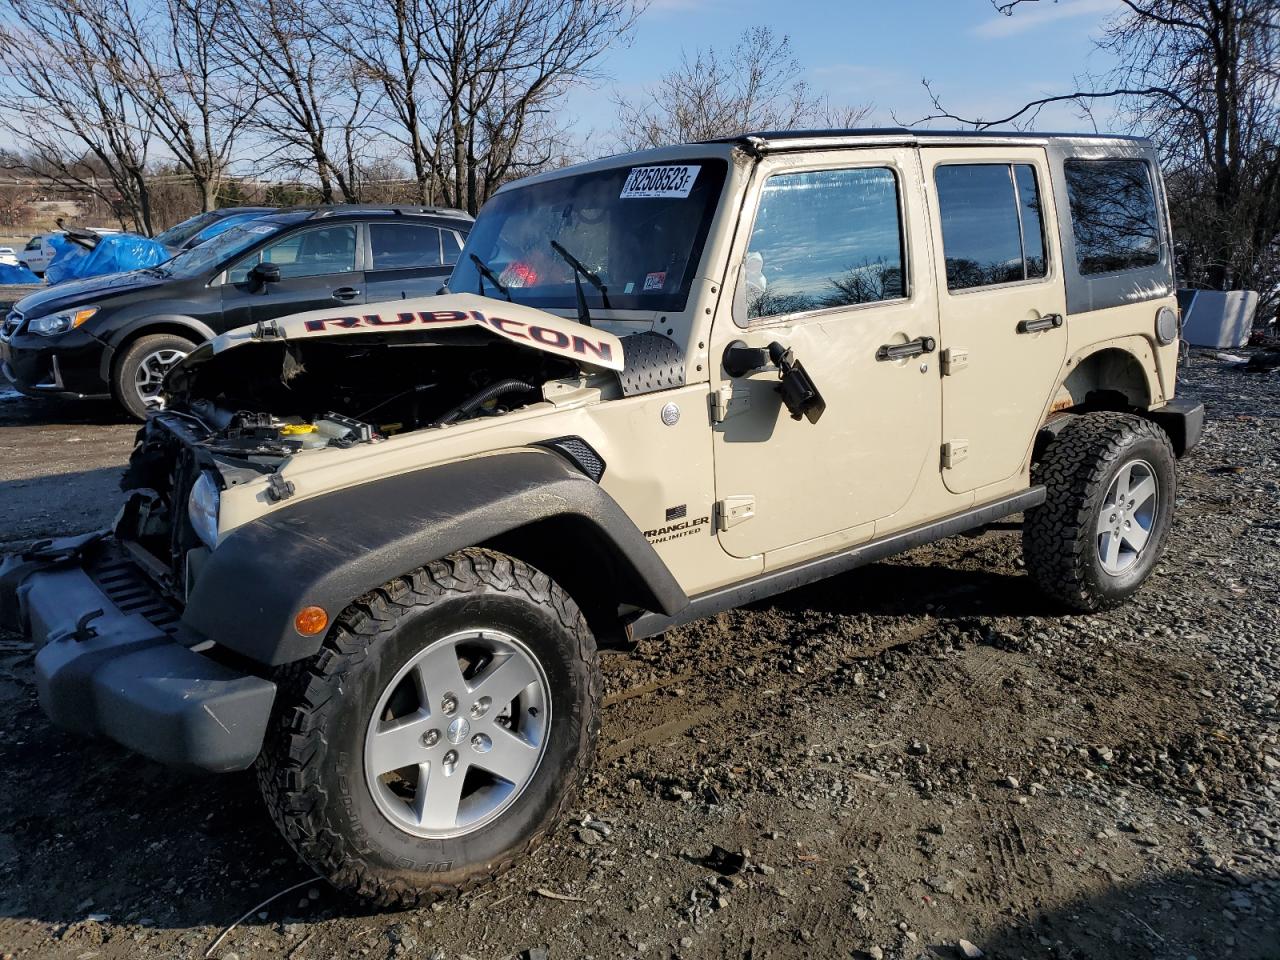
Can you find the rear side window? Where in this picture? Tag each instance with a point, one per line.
(452, 247)
(1113, 215)
(822, 239)
(992, 228)
(398, 246)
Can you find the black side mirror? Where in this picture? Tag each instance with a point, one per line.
(262, 274)
(799, 392)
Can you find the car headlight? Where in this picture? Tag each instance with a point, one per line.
(56, 323)
(202, 509)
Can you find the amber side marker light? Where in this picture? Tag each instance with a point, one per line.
(310, 621)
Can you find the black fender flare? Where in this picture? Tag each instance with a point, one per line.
(199, 330)
(330, 549)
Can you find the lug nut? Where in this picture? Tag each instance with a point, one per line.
(481, 743)
(431, 738)
(481, 707)
(450, 762)
(449, 704)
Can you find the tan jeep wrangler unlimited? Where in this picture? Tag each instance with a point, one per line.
(372, 550)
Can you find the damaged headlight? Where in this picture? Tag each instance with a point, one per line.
(56, 323)
(202, 509)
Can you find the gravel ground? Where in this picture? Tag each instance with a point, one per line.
(912, 760)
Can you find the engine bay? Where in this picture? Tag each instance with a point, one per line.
(278, 398)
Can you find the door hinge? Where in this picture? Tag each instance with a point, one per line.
(953, 359)
(734, 510)
(954, 452)
(720, 398)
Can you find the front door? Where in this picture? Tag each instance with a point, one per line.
(830, 265)
(1003, 306)
(320, 267)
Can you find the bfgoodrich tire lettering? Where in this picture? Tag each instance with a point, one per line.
(312, 772)
(1061, 542)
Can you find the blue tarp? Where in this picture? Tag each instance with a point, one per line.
(11, 273)
(114, 253)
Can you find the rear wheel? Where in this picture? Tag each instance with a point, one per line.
(139, 371)
(1110, 480)
(440, 733)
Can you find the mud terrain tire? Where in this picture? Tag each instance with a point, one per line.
(1064, 549)
(312, 770)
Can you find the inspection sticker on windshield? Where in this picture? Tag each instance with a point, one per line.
(659, 182)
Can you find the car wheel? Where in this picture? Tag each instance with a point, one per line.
(138, 372)
(441, 732)
(1110, 480)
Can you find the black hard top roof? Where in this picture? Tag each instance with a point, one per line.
(817, 139)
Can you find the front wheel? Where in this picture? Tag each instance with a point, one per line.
(1110, 480)
(440, 733)
(138, 373)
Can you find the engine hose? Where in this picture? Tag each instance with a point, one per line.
(490, 392)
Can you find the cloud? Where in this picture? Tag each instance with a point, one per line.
(1033, 16)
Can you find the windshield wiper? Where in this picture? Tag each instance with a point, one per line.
(580, 271)
(486, 273)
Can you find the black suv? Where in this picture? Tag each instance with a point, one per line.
(118, 334)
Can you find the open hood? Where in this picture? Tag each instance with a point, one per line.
(517, 324)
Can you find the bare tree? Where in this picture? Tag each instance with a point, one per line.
(757, 85)
(79, 127)
(315, 101)
(195, 100)
(1202, 78)
(464, 83)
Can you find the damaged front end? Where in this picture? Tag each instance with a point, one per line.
(247, 403)
(115, 655)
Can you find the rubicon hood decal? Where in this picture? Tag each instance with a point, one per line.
(519, 324)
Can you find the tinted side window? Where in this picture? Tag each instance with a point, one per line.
(992, 230)
(1024, 176)
(828, 238)
(307, 253)
(397, 246)
(452, 247)
(1113, 215)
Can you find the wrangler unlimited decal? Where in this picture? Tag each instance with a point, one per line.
(676, 530)
(519, 329)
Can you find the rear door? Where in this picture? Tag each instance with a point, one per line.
(320, 266)
(1002, 305)
(406, 259)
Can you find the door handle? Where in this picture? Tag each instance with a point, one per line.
(1050, 321)
(912, 348)
(346, 293)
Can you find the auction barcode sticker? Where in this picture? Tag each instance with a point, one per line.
(659, 182)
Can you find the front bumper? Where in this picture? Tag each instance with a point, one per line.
(65, 366)
(1183, 421)
(113, 659)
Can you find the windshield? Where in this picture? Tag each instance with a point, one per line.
(639, 229)
(202, 259)
(180, 233)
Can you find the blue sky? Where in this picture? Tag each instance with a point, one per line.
(877, 51)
